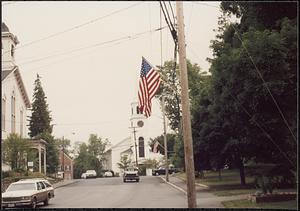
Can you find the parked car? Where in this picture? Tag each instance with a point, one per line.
(48, 185)
(131, 174)
(162, 171)
(108, 174)
(90, 174)
(26, 193)
(83, 176)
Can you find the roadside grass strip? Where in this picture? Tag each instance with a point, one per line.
(244, 203)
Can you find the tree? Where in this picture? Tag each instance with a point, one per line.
(124, 163)
(160, 140)
(89, 156)
(40, 119)
(171, 88)
(97, 146)
(239, 99)
(15, 151)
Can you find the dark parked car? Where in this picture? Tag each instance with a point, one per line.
(162, 171)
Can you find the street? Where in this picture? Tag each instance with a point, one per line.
(150, 192)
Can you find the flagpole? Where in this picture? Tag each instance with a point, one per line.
(165, 138)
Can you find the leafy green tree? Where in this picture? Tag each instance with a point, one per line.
(124, 163)
(151, 163)
(85, 161)
(238, 97)
(89, 156)
(97, 146)
(40, 119)
(15, 151)
(160, 139)
(171, 88)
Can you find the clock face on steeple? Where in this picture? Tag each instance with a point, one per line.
(140, 123)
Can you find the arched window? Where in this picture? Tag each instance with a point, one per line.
(141, 147)
(13, 113)
(3, 110)
(21, 122)
(12, 51)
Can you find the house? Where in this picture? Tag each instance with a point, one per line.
(136, 146)
(65, 166)
(14, 98)
(15, 101)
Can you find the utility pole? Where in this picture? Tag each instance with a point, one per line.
(63, 157)
(165, 138)
(187, 132)
(135, 146)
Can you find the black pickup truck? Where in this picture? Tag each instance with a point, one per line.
(162, 171)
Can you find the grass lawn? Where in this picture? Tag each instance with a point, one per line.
(228, 185)
(244, 203)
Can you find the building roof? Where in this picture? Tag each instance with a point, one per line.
(5, 73)
(4, 28)
(15, 70)
(120, 143)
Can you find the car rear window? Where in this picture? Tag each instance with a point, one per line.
(21, 186)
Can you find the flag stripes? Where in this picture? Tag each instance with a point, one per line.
(148, 85)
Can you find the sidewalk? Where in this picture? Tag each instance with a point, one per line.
(205, 199)
(64, 183)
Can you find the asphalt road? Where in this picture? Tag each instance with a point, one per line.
(150, 192)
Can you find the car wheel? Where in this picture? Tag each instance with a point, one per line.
(46, 202)
(124, 180)
(33, 203)
(137, 180)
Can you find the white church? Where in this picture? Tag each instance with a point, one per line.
(136, 146)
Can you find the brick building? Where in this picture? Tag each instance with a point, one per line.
(65, 166)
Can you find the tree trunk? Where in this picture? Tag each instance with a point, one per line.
(242, 171)
(220, 176)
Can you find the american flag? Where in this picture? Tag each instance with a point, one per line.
(155, 147)
(148, 85)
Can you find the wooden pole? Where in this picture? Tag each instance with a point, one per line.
(63, 156)
(165, 138)
(187, 132)
(135, 147)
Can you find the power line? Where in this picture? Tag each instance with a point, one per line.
(264, 82)
(262, 129)
(95, 45)
(169, 22)
(172, 11)
(75, 27)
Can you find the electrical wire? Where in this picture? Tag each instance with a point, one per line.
(169, 23)
(75, 27)
(94, 45)
(263, 130)
(172, 11)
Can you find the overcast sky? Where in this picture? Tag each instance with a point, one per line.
(90, 90)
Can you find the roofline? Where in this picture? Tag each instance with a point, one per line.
(22, 87)
(11, 35)
(121, 142)
(66, 155)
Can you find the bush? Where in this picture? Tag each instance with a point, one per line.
(5, 174)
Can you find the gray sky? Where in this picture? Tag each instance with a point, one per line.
(90, 90)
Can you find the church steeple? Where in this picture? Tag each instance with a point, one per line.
(8, 45)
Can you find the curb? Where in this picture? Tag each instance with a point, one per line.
(62, 185)
(199, 184)
(174, 186)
